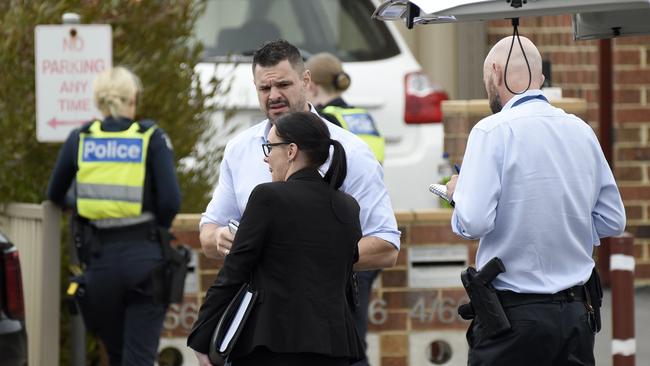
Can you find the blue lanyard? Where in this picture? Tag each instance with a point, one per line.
(529, 97)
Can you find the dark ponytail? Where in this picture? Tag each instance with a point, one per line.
(338, 166)
(312, 136)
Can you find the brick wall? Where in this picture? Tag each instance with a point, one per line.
(575, 69)
(403, 321)
(407, 319)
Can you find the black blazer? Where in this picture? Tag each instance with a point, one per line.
(299, 240)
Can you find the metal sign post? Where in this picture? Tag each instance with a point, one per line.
(68, 57)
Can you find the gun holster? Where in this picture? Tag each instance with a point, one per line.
(168, 279)
(85, 240)
(484, 302)
(594, 300)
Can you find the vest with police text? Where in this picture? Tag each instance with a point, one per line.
(112, 168)
(359, 122)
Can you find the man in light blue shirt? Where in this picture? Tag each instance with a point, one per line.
(281, 80)
(535, 188)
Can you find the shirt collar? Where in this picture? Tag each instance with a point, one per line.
(265, 126)
(532, 92)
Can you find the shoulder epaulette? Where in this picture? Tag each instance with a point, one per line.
(146, 124)
(85, 128)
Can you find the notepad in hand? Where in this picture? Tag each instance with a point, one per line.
(440, 190)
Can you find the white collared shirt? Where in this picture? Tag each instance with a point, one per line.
(243, 168)
(536, 189)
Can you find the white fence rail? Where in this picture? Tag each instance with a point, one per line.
(35, 230)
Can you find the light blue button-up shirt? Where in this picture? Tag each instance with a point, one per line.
(536, 189)
(243, 168)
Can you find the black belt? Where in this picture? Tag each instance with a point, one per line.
(510, 298)
(139, 232)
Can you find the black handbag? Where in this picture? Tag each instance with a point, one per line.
(231, 324)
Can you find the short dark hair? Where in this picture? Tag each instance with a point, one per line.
(309, 132)
(272, 53)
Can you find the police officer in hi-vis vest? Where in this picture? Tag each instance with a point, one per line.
(328, 82)
(126, 196)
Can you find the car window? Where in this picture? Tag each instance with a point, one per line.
(342, 27)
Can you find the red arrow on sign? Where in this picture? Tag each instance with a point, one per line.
(54, 123)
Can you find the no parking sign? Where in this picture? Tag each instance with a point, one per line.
(68, 57)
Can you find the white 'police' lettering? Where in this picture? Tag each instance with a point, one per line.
(360, 124)
(112, 150)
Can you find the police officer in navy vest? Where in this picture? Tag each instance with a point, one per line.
(126, 196)
(328, 82)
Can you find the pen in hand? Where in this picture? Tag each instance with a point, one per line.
(452, 202)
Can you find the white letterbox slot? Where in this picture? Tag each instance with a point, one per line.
(436, 266)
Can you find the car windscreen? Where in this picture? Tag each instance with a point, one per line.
(234, 28)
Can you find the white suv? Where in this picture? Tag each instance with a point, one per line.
(386, 78)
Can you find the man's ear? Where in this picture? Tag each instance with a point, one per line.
(306, 78)
(497, 72)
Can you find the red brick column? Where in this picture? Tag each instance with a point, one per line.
(622, 281)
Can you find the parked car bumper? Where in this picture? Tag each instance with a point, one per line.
(13, 344)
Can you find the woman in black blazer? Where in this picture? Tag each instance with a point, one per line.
(297, 240)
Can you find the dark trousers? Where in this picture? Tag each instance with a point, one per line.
(366, 278)
(118, 304)
(542, 334)
(263, 356)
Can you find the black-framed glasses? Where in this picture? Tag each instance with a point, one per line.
(266, 148)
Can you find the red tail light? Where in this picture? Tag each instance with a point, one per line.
(15, 306)
(422, 99)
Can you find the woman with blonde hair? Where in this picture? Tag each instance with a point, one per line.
(126, 196)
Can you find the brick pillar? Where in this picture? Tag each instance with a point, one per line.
(631, 151)
(622, 278)
(459, 116)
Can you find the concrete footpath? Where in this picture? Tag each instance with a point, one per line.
(641, 328)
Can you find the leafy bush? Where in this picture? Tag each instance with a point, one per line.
(153, 38)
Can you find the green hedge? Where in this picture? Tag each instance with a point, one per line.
(153, 38)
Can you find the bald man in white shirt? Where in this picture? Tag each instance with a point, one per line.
(535, 188)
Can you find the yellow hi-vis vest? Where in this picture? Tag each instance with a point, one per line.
(359, 122)
(112, 167)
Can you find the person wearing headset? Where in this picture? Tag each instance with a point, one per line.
(328, 82)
